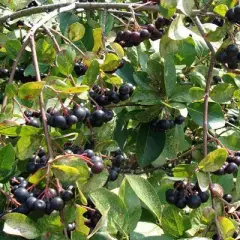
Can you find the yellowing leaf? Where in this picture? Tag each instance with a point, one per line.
(111, 62)
(226, 227)
(97, 36)
(76, 31)
(118, 49)
(73, 90)
(214, 160)
(30, 90)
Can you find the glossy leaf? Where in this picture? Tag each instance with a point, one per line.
(222, 92)
(27, 146)
(132, 204)
(215, 116)
(146, 193)
(172, 221)
(7, 159)
(214, 160)
(65, 60)
(91, 75)
(117, 212)
(149, 145)
(20, 225)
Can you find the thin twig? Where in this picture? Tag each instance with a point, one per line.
(205, 114)
(67, 40)
(56, 45)
(88, 6)
(41, 100)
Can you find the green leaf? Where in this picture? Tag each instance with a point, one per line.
(66, 174)
(231, 141)
(186, 6)
(222, 92)
(215, 114)
(20, 225)
(11, 90)
(80, 226)
(168, 7)
(170, 77)
(45, 51)
(27, 146)
(197, 78)
(172, 221)
(226, 227)
(196, 93)
(149, 114)
(37, 176)
(140, 78)
(76, 31)
(203, 180)
(184, 170)
(177, 30)
(132, 204)
(13, 46)
(30, 90)
(95, 182)
(117, 214)
(149, 145)
(7, 159)
(108, 145)
(214, 160)
(221, 10)
(145, 97)
(184, 50)
(148, 231)
(50, 223)
(146, 193)
(75, 162)
(30, 71)
(91, 75)
(13, 131)
(111, 62)
(175, 142)
(65, 61)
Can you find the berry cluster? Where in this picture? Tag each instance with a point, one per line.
(104, 97)
(68, 117)
(230, 166)
(37, 161)
(165, 124)
(186, 195)
(80, 69)
(154, 32)
(97, 165)
(117, 161)
(31, 118)
(35, 200)
(230, 55)
(233, 14)
(92, 215)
